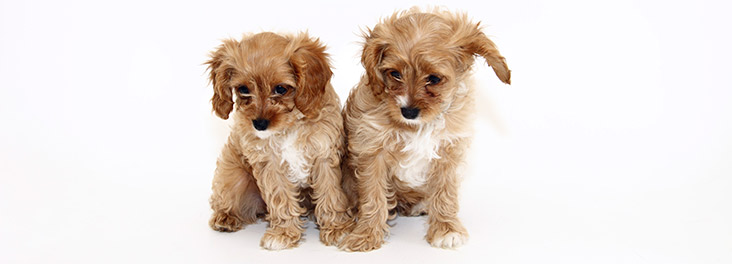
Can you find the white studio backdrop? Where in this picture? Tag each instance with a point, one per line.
(612, 145)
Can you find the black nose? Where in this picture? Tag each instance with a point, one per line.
(410, 113)
(260, 124)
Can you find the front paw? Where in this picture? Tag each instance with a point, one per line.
(331, 234)
(449, 240)
(447, 236)
(224, 222)
(362, 241)
(276, 240)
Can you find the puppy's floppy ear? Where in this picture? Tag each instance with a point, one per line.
(220, 70)
(472, 40)
(373, 52)
(312, 71)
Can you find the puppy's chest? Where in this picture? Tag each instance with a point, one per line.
(288, 153)
(415, 157)
(293, 156)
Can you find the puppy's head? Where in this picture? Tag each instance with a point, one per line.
(266, 77)
(416, 61)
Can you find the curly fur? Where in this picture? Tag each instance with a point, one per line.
(282, 171)
(410, 166)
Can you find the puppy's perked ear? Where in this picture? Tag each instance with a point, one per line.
(373, 52)
(474, 41)
(220, 72)
(312, 71)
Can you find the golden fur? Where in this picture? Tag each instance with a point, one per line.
(407, 166)
(295, 162)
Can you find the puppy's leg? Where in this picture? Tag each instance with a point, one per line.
(371, 177)
(445, 229)
(331, 203)
(235, 199)
(281, 196)
(349, 185)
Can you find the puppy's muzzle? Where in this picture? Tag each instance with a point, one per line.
(410, 112)
(260, 124)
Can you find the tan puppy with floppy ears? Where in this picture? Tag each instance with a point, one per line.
(285, 147)
(408, 122)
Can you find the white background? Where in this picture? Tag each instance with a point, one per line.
(613, 145)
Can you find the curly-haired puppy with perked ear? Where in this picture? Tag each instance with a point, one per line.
(285, 147)
(408, 122)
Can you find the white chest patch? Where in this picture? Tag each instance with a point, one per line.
(420, 148)
(292, 154)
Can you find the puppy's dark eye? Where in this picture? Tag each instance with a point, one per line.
(396, 75)
(432, 79)
(243, 89)
(280, 89)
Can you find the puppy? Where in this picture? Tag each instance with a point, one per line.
(284, 151)
(408, 123)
